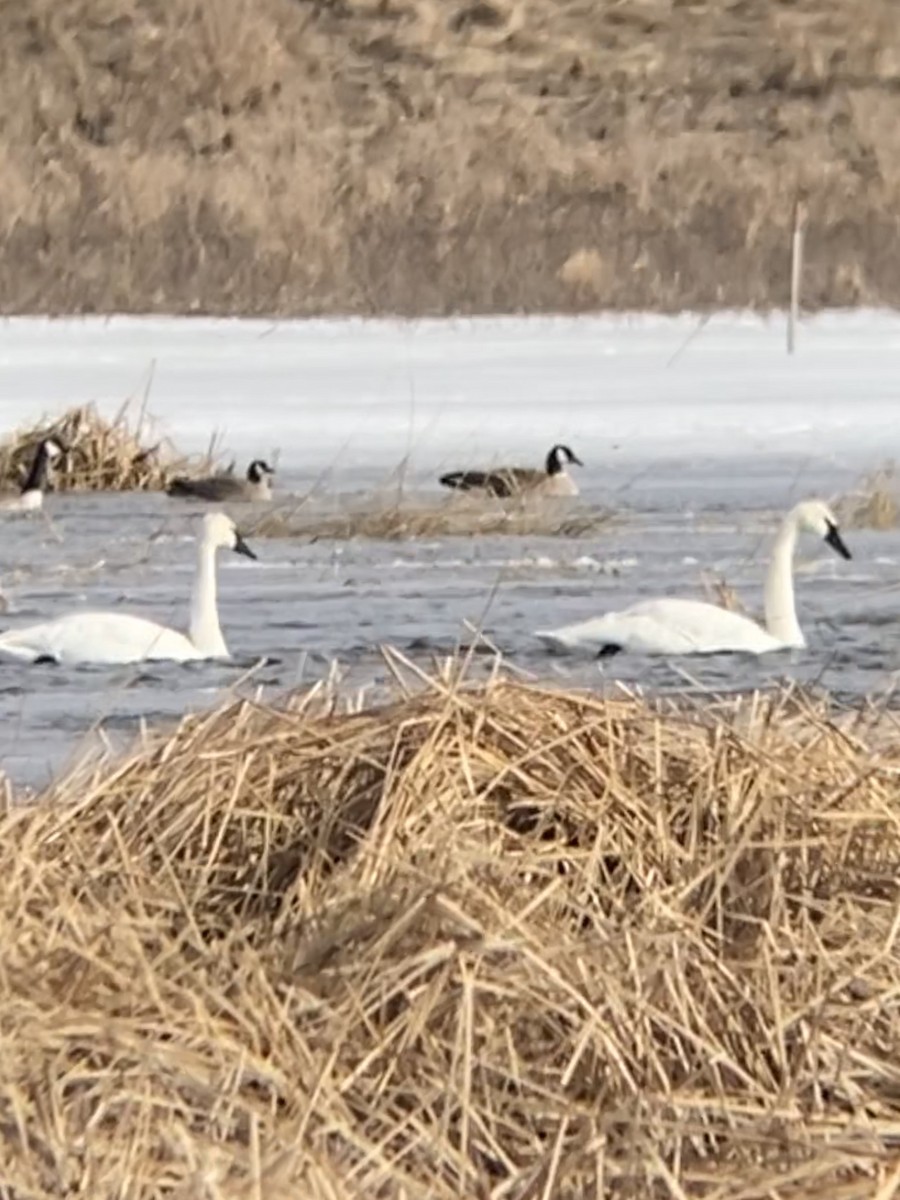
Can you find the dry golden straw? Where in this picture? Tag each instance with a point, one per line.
(493, 941)
(874, 504)
(101, 455)
(401, 518)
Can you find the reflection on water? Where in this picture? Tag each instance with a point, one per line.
(306, 603)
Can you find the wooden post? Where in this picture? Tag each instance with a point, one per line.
(796, 272)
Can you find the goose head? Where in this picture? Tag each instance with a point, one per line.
(555, 457)
(52, 448)
(49, 449)
(220, 531)
(815, 517)
(258, 470)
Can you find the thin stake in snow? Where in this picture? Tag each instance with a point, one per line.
(796, 272)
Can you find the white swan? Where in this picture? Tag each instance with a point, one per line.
(695, 627)
(110, 637)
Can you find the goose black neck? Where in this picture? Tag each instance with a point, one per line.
(37, 476)
(554, 460)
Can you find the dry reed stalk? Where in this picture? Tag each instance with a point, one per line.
(497, 941)
(874, 504)
(399, 519)
(720, 591)
(102, 455)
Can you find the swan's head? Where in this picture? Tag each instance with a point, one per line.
(814, 516)
(258, 470)
(555, 457)
(52, 448)
(220, 531)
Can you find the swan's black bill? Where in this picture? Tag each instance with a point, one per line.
(241, 547)
(575, 459)
(836, 542)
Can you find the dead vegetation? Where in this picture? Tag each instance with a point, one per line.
(719, 591)
(374, 156)
(487, 942)
(100, 455)
(874, 504)
(401, 519)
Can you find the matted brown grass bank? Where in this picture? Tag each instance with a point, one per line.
(496, 942)
(408, 156)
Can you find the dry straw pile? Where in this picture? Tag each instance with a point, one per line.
(101, 455)
(492, 942)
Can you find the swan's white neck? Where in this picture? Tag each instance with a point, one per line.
(205, 632)
(781, 614)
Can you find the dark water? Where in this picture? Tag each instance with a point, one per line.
(314, 607)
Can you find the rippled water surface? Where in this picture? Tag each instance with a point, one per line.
(305, 604)
(684, 509)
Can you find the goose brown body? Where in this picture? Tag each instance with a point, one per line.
(257, 486)
(553, 480)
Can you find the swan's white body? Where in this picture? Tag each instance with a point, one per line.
(675, 627)
(109, 637)
(101, 637)
(668, 627)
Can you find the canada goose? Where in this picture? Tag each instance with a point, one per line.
(110, 637)
(31, 494)
(257, 485)
(554, 480)
(674, 626)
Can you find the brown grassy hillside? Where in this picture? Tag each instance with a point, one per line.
(320, 156)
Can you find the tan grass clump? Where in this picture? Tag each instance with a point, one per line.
(874, 504)
(493, 942)
(402, 520)
(101, 455)
(584, 272)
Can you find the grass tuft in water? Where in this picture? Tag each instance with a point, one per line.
(396, 518)
(874, 504)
